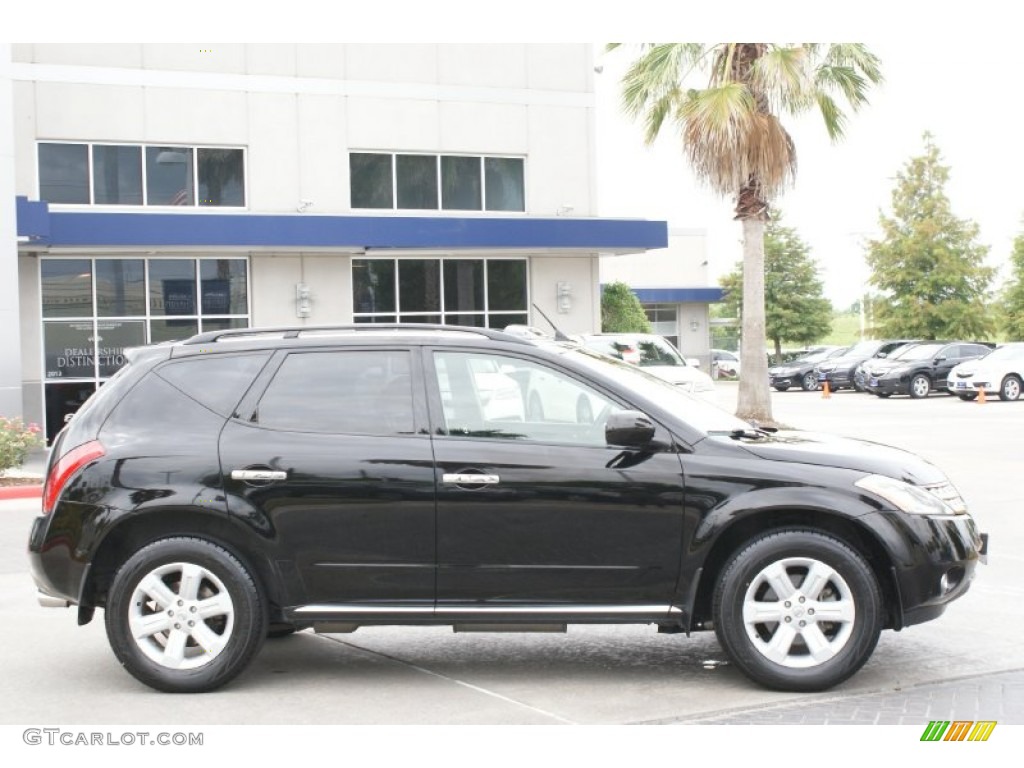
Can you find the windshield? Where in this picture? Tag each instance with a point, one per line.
(817, 357)
(698, 414)
(863, 349)
(921, 351)
(642, 352)
(1009, 352)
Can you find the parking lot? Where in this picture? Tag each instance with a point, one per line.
(58, 672)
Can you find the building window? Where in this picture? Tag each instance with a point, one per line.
(95, 308)
(664, 320)
(133, 174)
(485, 293)
(436, 182)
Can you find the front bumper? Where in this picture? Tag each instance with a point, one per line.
(933, 561)
(892, 386)
(836, 379)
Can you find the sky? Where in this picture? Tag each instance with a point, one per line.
(967, 102)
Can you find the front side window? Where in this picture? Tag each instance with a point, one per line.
(496, 396)
(345, 392)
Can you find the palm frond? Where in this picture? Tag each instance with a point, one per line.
(834, 117)
(651, 85)
(784, 75)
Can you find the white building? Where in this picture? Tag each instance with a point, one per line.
(672, 285)
(163, 190)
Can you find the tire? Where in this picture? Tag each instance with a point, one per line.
(172, 655)
(746, 598)
(919, 386)
(809, 382)
(883, 395)
(782, 389)
(968, 396)
(1010, 388)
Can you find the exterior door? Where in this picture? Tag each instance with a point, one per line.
(533, 507)
(332, 462)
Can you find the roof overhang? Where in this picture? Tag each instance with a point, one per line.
(42, 229)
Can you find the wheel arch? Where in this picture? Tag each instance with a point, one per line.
(135, 532)
(743, 530)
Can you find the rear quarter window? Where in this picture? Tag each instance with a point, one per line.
(215, 382)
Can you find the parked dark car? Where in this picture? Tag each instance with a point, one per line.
(921, 368)
(839, 372)
(253, 482)
(800, 372)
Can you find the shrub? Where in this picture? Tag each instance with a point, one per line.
(16, 440)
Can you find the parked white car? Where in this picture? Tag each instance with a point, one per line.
(656, 355)
(1000, 372)
(726, 363)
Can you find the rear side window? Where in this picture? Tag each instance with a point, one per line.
(216, 382)
(349, 391)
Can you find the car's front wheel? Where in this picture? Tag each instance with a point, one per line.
(798, 610)
(920, 386)
(809, 382)
(184, 615)
(968, 396)
(1010, 388)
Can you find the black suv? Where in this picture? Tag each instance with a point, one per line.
(253, 482)
(839, 372)
(920, 368)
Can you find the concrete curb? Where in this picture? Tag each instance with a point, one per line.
(9, 492)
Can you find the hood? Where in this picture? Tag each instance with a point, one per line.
(846, 453)
(844, 362)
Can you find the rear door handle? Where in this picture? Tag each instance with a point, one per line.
(258, 474)
(459, 478)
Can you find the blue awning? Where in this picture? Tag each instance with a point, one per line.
(678, 295)
(43, 228)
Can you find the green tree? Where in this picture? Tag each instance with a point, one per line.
(928, 264)
(795, 309)
(1013, 294)
(621, 311)
(733, 138)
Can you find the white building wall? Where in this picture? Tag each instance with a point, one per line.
(530, 100)
(683, 264)
(10, 348)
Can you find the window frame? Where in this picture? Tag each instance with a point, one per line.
(398, 315)
(440, 209)
(192, 207)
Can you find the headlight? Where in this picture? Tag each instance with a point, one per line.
(942, 499)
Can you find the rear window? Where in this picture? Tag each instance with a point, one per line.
(215, 382)
(642, 352)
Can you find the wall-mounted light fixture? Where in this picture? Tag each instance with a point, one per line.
(695, 325)
(303, 300)
(563, 297)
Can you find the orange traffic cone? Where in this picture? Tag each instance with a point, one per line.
(825, 393)
(981, 396)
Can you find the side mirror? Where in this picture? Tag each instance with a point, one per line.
(693, 361)
(882, 354)
(629, 429)
(939, 359)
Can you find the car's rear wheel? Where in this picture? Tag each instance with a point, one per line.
(1010, 388)
(781, 387)
(809, 382)
(920, 386)
(798, 610)
(184, 615)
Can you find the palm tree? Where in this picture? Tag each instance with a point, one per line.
(732, 137)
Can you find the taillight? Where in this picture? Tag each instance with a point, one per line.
(65, 467)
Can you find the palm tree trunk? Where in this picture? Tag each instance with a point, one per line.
(754, 401)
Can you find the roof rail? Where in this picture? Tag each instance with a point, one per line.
(294, 332)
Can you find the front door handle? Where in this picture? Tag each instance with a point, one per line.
(461, 478)
(258, 474)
